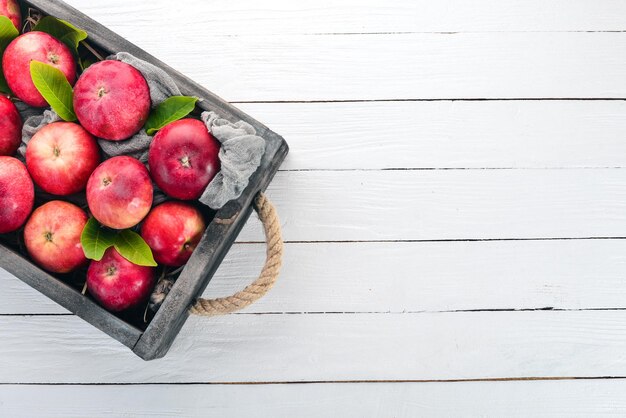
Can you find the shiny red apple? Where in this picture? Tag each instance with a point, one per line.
(35, 46)
(17, 194)
(119, 192)
(112, 100)
(52, 236)
(184, 158)
(10, 127)
(173, 230)
(11, 9)
(61, 156)
(117, 284)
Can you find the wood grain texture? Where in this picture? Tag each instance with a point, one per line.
(572, 398)
(395, 66)
(447, 204)
(409, 277)
(286, 51)
(518, 134)
(247, 17)
(277, 348)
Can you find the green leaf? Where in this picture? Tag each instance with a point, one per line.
(64, 31)
(132, 247)
(8, 32)
(171, 110)
(55, 88)
(96, 239)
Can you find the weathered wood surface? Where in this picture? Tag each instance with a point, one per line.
(540, 179)
(574, 398)
(447, 204)
(414, 66)
(247, 17)
(449, 134)
(326, 347)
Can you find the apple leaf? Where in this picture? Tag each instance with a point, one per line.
(96, 239)
(171, 110)
(55, 88)
(132, 247)
(8, 32)
(64, 31)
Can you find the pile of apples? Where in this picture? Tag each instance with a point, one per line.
(112, 102)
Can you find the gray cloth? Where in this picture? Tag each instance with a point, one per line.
(240, 156)
(136, 147)
(26, 111)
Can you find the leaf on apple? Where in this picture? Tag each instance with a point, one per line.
(171, 110)
(96, 239)
(132, 247)
(64, 31)
(8, 32)
(55, 88)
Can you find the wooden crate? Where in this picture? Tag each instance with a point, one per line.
(153, 341)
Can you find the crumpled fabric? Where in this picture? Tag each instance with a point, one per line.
(240, 154)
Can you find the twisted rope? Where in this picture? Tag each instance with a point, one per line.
(274, 258)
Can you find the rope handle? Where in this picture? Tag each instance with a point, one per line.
(271, 270)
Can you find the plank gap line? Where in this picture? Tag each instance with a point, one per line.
(468, 99)
(438, 240)
(412, 312)
(313, 382)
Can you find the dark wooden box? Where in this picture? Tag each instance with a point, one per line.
(154, 340)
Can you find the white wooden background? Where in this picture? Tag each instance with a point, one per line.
(454, 207)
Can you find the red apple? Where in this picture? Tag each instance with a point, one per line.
(52, 236)
(17, 194)
(11, 9)
(117, 284)
(10, 127)
(184, 158)
(61, 157)
(172, 230)
(35, 46)
(112, 100)
(119, 192)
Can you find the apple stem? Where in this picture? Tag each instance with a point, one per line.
(84, 291)
(185, 162)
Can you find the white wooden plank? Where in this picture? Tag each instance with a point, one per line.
(447, 204)
(374, 135)
(223, 17)
(396, 66)
(277, 348)
(16, 297)
(409, 277)
(434, 276)
(571, 398)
